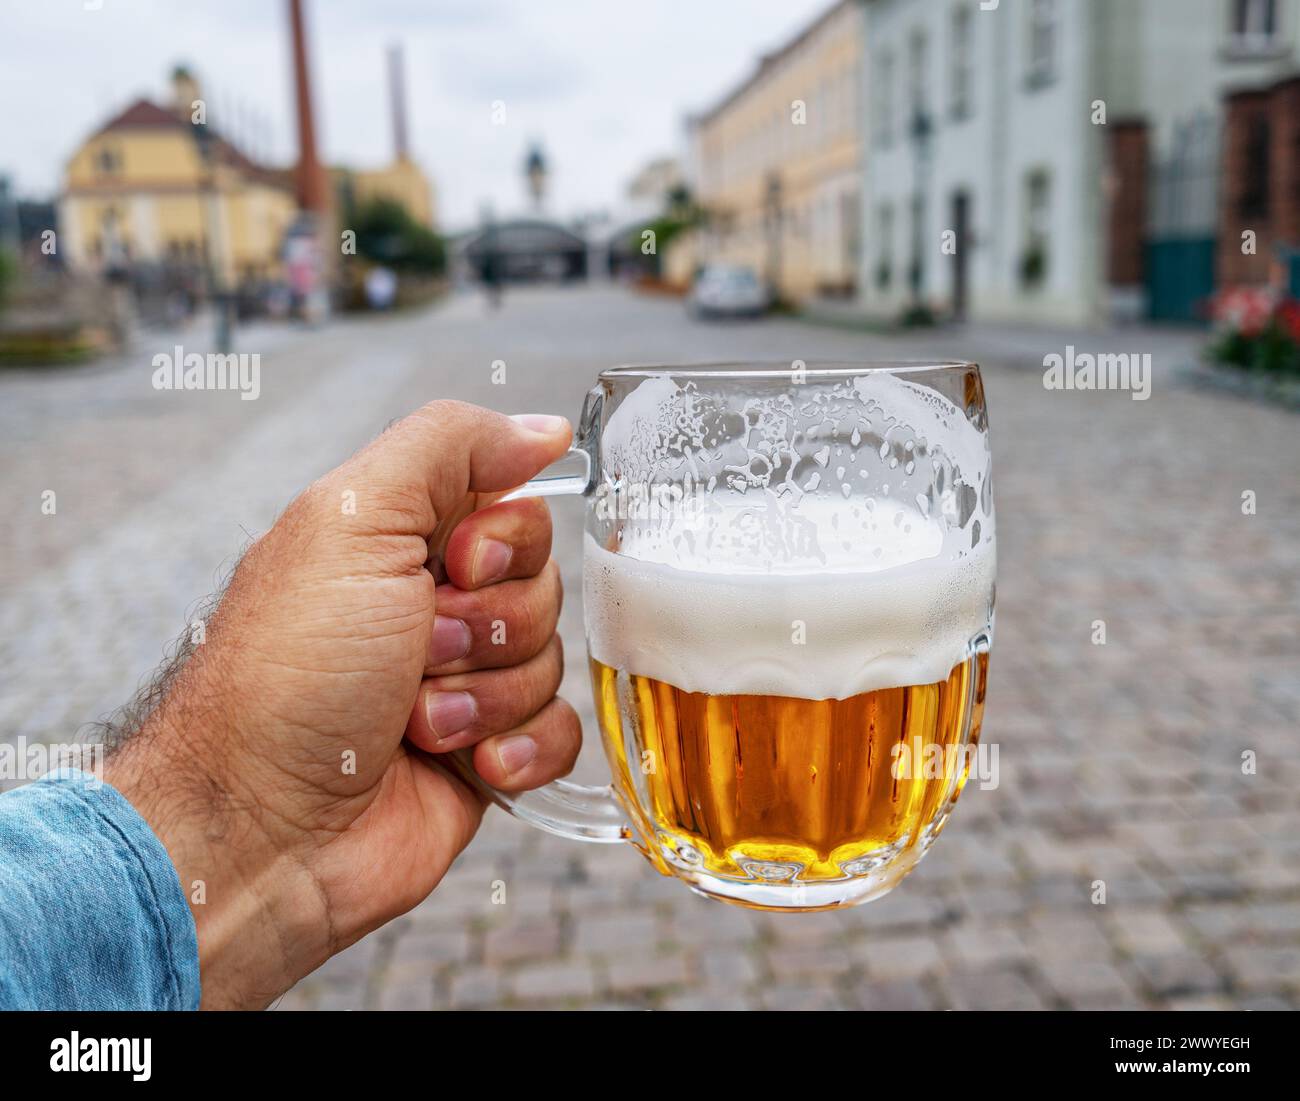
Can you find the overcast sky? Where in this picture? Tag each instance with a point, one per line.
(602, 84)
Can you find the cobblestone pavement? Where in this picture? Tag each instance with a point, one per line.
(1120, 762)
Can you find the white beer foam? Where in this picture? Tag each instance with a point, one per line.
(886, 623)
(823, 590)
(927, 414)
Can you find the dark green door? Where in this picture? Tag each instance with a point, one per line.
(1180, 277)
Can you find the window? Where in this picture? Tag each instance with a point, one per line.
(917, 77)
(1037, 204)
(961, 66)
(1254, 201)
(847, 93)
(1043, 42)
(855, 97)
(1038, 199)
(916, 270)
(885, 252)
(851, 231)
(1253, 28)
(885, 100)
(108, 161)
(1254, 18)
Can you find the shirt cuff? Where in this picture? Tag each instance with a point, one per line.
(92, 912)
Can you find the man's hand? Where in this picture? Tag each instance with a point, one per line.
(392, 598)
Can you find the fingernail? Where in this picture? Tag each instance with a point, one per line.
(491, 557)
(451, 640)
(449, 712)
(515, 752)
(540, 422)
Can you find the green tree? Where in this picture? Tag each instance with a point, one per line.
(680, 214)
(388, 235)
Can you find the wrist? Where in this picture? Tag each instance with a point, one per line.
(262, 927)
(260, 916)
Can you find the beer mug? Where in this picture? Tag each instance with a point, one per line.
(788, 586)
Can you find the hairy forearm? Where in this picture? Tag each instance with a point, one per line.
(260, 917)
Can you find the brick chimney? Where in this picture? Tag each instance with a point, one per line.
(397, 97)
(309, 177)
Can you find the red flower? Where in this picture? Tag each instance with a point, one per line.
(1246, 309)
(1288, 316)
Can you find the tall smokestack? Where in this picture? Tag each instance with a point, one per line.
(310, 180)
(397, 94)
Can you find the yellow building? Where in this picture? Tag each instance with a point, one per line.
(403, 182)
(140, 190)
(777, 164)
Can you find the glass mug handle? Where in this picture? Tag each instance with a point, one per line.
(571, 810)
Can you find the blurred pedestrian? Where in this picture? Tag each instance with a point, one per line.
(381, 288)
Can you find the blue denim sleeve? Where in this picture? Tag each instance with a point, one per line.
(92, 913)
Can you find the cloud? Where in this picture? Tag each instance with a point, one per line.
(603, 85)
(510, 70)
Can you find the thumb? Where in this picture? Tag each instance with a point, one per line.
(430, 460)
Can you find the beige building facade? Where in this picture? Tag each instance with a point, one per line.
(140, 190)
(402, 182)
(777, 165)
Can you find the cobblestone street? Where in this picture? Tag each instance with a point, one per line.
(1120, 762)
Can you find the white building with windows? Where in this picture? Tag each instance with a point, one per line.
(1022, 153)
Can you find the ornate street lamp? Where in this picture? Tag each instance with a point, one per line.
(920, 132)
(221, 299)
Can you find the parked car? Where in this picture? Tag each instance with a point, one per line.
(728, 292)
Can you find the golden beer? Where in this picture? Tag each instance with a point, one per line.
(784, 789)
(787, 591)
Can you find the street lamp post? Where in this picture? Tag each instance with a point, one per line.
(221, 299)
(775, 217)
(921, 131)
